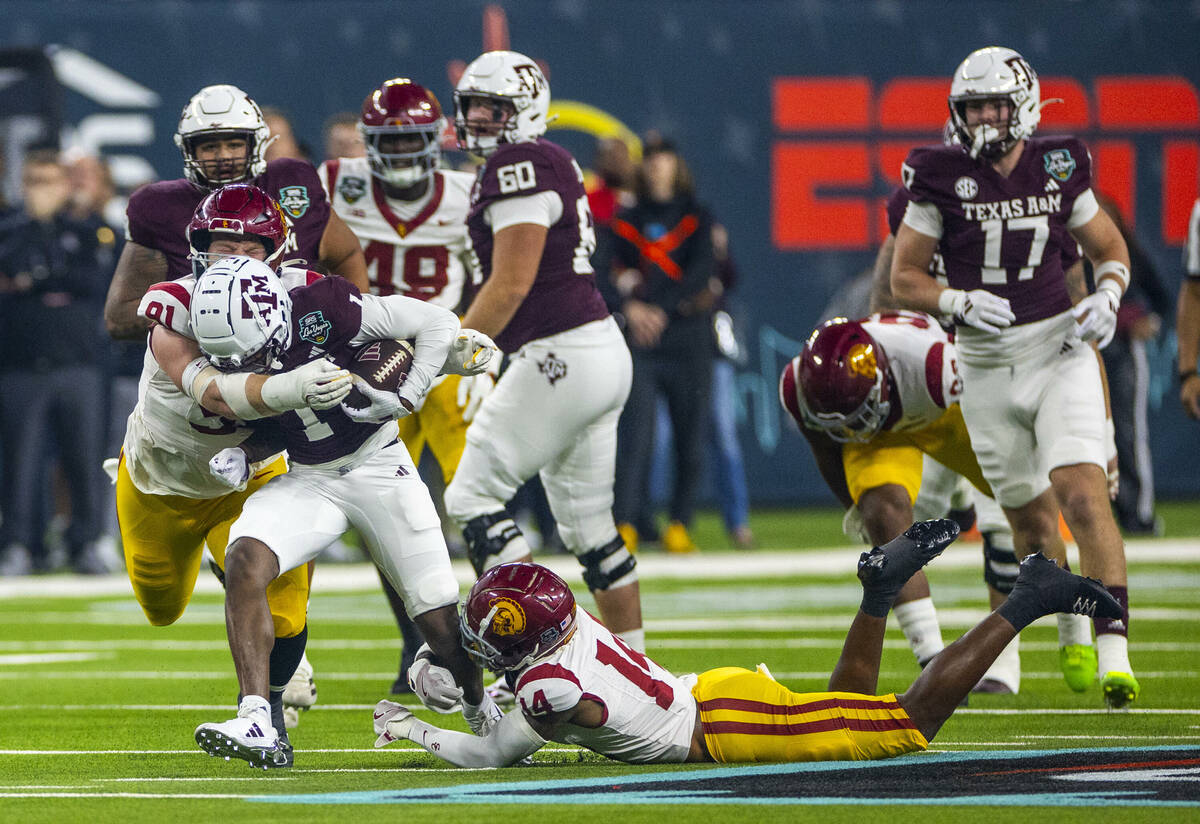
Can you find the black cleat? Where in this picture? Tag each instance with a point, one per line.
(888, 567)
(1054, 589)
(400, 685)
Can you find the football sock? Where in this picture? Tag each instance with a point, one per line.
(635, 638)
(285, 657)
(1112, 650)
(1115, 626)
(1074, 629)
(919, 622)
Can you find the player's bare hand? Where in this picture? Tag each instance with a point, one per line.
(646, 322)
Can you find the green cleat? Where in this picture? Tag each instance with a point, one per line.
(1078, 663)
(1120, 689)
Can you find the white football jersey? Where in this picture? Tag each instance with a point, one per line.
(420, 249)
(922, 360)
(649, 715)
(170, 438)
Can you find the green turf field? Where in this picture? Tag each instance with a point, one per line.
(97, 707)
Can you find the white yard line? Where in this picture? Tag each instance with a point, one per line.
(722, 565)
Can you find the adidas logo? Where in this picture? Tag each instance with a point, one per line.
(1117, 626)
(255, 732)
(1052, 186)
(1085, 606)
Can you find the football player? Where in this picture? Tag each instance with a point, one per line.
(874, 398)
(554, 412)
(168, 504)
(1187, 322)
(223, 138)
(410, 216)
(995, 206)
(579, 684)
(346, 467)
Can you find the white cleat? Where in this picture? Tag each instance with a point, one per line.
(249, 737)
(300, 693)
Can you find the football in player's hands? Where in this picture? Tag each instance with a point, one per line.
(381, 365)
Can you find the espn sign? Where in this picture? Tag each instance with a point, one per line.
(839, 144)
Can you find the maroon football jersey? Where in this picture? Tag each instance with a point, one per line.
(158, 215)
(1007, 235)
(326, 315)
(564, 294)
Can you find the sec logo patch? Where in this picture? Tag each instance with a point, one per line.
(966, 188)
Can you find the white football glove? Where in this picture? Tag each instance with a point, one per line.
(472, 389)
(978, 308)
(470, 353)
(432, 684)
(231, 467)
(392, 722)
(484, 717)
(1097, 315)
(853, 526)
(384, 406)
(318, 384)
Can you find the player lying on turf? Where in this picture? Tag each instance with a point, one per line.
(576, 683)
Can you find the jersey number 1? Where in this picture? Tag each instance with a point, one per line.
(636, 669)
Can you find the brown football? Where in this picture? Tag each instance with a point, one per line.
(383, 364)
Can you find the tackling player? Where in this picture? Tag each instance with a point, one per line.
(346, 467)
(223, 139)
(168, 504)
(995, 207)
(579, 684)
(411, 218)
(555, 410)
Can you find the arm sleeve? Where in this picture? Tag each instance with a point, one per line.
(1191, 249)
(398, 317)
(1083, 210)
(924, 218)
(505, 743)
(543, 208)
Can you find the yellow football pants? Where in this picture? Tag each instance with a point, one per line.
(749, 717)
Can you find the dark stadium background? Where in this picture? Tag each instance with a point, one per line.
(793, 115)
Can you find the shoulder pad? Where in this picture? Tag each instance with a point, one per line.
(547, 688)
(169, 304)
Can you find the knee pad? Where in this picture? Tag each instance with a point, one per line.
(1000, 565)
(608, 566)
(487, 537)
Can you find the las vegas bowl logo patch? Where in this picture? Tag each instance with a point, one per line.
(294, 200)
(1059, 164)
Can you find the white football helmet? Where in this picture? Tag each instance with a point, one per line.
(990, 73)
(242, 315)
(216, 111)
(503, 76)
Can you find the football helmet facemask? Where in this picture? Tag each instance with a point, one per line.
(520, 98)
(987, 74)
(237, 209)
(402, 107)
(242, 315)
(516, 614)
(222, 111)
(839, 383)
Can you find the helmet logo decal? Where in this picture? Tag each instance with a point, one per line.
(530, 77)
(314, 328)
(294, 199)
(507, 617)
(1020, 70)
(1059, 164)
(256, 291)
(861, 360)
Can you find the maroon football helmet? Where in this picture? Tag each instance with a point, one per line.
(515, 614)
(238, 209)
(839, 383)
(402, 107)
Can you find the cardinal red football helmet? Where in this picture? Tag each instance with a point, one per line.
(839, 383)
(515, 614)
(402, 107)
(239, 209)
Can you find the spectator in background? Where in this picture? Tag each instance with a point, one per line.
(342, 137)
(663, 253)
(54, 270)
(283, 139)
(1187, 319)
(1139, 320)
